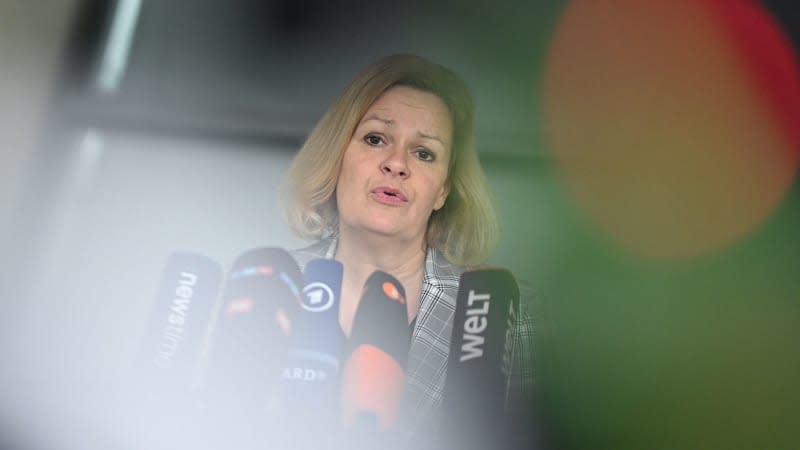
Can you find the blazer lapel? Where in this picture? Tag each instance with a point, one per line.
(430, 344)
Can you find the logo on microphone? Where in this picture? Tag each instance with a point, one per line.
(317, 297)
(392, 292)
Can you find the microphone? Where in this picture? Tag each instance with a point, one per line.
(474, 399)
(165, 370)
(374, 373)
(250, 338)
(310, 379)
(170, 353)
(317, 337)
(316, 340)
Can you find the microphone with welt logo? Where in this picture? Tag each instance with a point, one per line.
(249, 341)
(373, 376)
(475, 392)
(310, 380)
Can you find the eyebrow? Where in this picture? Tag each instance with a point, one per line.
(432, 137)
(379, 119)
(391, 122)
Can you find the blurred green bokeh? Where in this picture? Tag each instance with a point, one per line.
(635, 353)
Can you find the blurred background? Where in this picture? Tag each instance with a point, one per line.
(642, 156)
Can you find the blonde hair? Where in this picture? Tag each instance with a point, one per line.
(465, 229)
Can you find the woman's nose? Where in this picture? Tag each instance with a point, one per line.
(395, 164)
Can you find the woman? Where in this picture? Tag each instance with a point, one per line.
(389, 180)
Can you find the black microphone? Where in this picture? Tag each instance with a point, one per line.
(165, 373)
(373, 376)
(310, 379)
(249, 341)
(474, 400)
(316, 341)
(170, 354)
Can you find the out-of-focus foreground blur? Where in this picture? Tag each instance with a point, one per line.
(643, 158)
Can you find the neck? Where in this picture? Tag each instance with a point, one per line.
(362, 255)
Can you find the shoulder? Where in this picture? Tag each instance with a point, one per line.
(535, 322)
(528, 299)
(525, 330)
(441, 272)
(323, 248)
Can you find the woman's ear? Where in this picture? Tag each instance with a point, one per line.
(442, 197)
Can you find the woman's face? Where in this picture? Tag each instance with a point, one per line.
(394, 169)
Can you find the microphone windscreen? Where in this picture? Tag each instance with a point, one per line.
(318, 324)
(170, 353)
(374, 373)
(162, 394)
(311, 375)
(309, 386)
(250, 338)
(479, 361)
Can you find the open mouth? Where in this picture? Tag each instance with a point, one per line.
(389, 195)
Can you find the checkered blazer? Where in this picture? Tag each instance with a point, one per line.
(430, 344)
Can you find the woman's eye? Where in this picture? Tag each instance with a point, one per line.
(373, 139)
(426, 155)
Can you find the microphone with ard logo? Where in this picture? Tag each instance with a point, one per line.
(316, 340)
(475, 392)
(310, 380)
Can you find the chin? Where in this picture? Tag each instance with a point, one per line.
(388, 228)
(385, 230)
